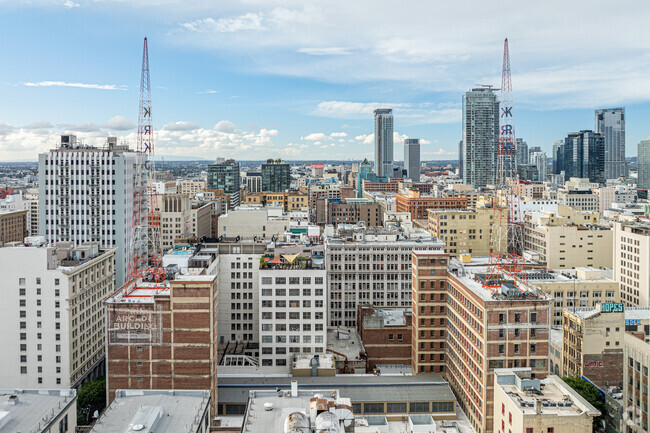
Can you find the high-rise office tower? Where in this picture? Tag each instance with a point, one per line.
(480, 136)
(538, 159)
(611, 123)
(86, 195)
(522, 152)
(276, 176)
(412, 158)
(583, 155)
(643, 159)
(384, 142)
(557, 156)
(224, 174)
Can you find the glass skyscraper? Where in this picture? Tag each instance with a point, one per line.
(276, 176)
(643, 159)
(412, 158)
(224, 174)
(611, 123)
(384, 142)
(583, 155)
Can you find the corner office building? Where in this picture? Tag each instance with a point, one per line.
(86, 195)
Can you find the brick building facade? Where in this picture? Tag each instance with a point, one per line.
(417, 204)
(386, 334)
(164, 339)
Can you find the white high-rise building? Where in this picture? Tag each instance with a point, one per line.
(539, 160)
(611, 122)
(86, 195)
(412, 158)
(480, 136)
(293, 311)
(384, 142)
(52, 313)
(631, 258)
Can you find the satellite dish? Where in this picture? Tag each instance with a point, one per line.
(138, 427)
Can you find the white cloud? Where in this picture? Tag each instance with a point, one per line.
(315, 136)
(80, 127)
(43, 124)
(180, 126)
(70, 4)
(249, 21)
(208, 91)
(326, 51)
(80, 85)
(119, 123)
(338, 134)
(224, 126)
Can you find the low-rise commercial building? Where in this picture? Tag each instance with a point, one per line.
(386, 334)
(592, 343)
(579, 287)
(417, 203)
(13, 226)
(38, 410)
(526, 404)
(160, 411)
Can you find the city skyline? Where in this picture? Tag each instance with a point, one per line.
(256, 80)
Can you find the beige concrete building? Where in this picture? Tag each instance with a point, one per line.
(636, 398)
(191, 187)
(52, 315)
(580, 287)
(250, 222)
(592, 343)
(631, 259)
(464, 231)
(568, 239)
(526, 405)
(180, 217)
(555, 351)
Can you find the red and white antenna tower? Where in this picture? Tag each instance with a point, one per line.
(506, 243)
(145, 260)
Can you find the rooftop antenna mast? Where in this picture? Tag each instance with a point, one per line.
(506, 242)
(145, 261)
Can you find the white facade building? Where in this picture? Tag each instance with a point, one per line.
(370, 267)
(52, 315)
(86, 195)
(293, 313)
(631, 259)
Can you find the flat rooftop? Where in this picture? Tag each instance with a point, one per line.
(259, 419)
(471, 274)
(358, 388)
(32, 410)
(553, 398)
(139, 292)
(346, 341)
(176, 411)
(392, 316)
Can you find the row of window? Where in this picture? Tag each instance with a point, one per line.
(292, 280)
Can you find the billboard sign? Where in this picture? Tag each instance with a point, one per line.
(134, 326)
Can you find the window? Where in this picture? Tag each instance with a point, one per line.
(419, 406)
(318, 280)
(533, 317)
(529, 430)
(395, 407)
(517, 317)
(550, 430)
(442, 406)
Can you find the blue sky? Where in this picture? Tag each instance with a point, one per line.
(255, 79)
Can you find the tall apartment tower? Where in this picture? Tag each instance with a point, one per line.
(643, 160)
(276, 176)
(480, 136)
(52, 314)
(384, 142)
(224, 174)
(611, 123)
(412, 158)
(631, 258)
(429, 311)
(86, 195)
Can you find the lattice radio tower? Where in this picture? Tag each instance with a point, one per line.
(145, 259)
(506, 244)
